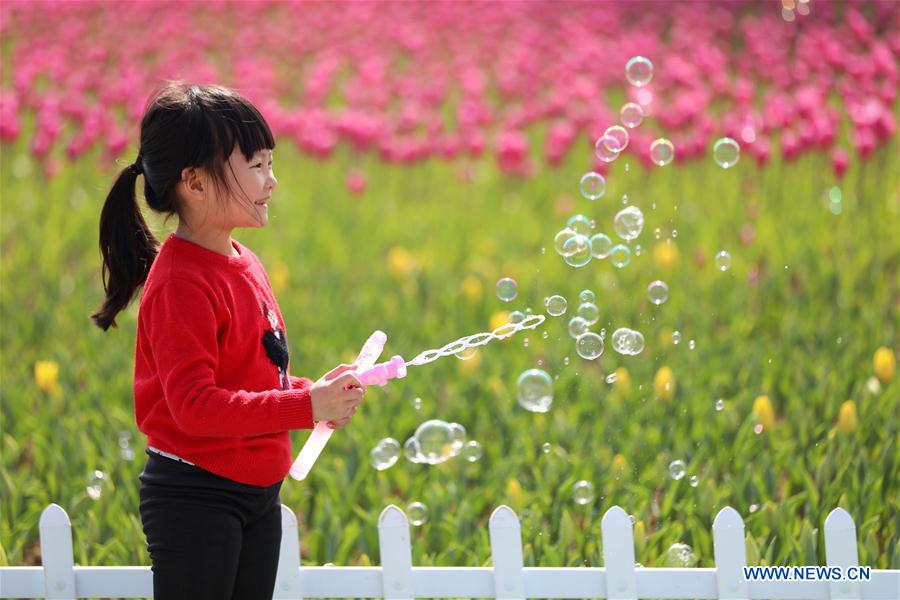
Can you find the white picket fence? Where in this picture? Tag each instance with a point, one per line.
(508, 578)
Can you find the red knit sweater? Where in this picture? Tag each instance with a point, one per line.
(211, 381)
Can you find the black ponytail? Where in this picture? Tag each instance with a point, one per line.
(127, 245)
(184, 126)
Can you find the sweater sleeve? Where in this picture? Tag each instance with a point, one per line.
(181, 328)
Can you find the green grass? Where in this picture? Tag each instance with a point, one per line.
(804, 334)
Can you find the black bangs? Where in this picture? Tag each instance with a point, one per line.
(233, 121)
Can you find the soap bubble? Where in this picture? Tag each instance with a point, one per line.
(600, 245)
(562, 236)
(589, 346)
(437, 441)
(586, 296)
(676, 469)
(577, 251)
(516, 316)
(629, 222)
(676, 337)
(720, 405)
(680, 555)
(632, 115)
(694, 481)
(583, 492)
(593, 185)
(620, 256)
(577, 326)
(385, 453)
(580, 224)
(662, 151)
(604, 148)
(723, 260)
(589, 312)
(507, 289)
(472, 451)
(417, 403)
(615, 138)
(691, 344)
(627, 341)
(658, 292)
(611, 378)
(412, 451)
(467, 353)
(639, 71)
(417, 513)
(546, 448)
(95, 484)
(458, 437)
(726, 152)
(534, 390)
(556, 305)
(637, 342)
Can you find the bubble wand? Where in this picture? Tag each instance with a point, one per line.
(370, 373)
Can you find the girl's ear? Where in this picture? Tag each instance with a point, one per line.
(192, 181)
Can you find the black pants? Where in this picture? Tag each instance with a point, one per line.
(208, 536)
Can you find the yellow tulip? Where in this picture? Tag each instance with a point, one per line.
(400, 261)
(664, 383)
(763, 411)
(885, 365)
(847, 417)
(665, 336)
(640, 537)
(619, 464)
(471, 289)
(623, 381)
(45, 372)
(278, 276)
(499, 318)
(514, 494)
(666, 255)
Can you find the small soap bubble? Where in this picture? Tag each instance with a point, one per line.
(385, 454)
(629, 222)
(577, 251)
(631, 115)
(662, 151)
(657, 233)
(603, 148)
(616, 138)
(417, 403)
(583, 492)
(562, 236)
(589, 346)
(95, 484)
(611, 378)
(638, 250)
(412, 450)
(835, 199)
(723, 260)
(720, 405)
(639, 71)
(601, 245)
(587, 296)
(580, 224)
(534, 390)
(758, 428)
(676, 469)
(565, 362)
(676, 337)
(680, 555)
(694, 481)
(555, 305)
(417, 513)
(577, 327)
(754, 508)
(658, 292)
(674, 233)
(546, 448)
(726, 152)
(545, 335)
(507, 289)
(691, 344)
(593, 185)
(472, 451)
(620, 256)
(589, 312)
(516, 316)
(466, 353)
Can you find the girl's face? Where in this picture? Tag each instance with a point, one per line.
(252, 182)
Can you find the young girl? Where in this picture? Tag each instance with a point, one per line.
(212, 389)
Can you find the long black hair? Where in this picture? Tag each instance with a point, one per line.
(184, 126)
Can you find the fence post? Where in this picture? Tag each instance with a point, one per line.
(618, 555)
(57, 556)
(506, 553)
(287, 581)
(396, 554)
(730, 554)
(840, 551)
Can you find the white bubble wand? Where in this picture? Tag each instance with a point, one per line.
(370, 373)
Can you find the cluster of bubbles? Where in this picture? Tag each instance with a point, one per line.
(576, 244)
(678, 469)
(434, 442)
(627, 341)
(680, 555)
(95, 484)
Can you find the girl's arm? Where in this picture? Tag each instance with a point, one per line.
(181, 326)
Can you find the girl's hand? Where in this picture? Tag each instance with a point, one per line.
(341, 422)
(336, 394)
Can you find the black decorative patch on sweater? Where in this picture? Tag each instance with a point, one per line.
(274, 341)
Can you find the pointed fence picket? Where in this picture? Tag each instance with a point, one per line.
(397, 578)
